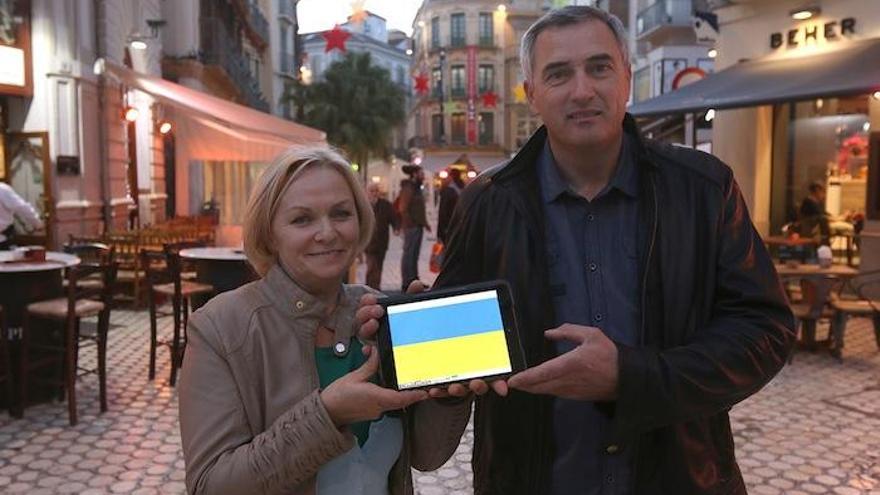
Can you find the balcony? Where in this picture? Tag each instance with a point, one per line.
(220, 49)
(456, 92)
(287, 9)
(487, 42)
(662, 16)
(457, 42)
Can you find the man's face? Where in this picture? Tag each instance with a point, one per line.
(579, 84)
(373, 192)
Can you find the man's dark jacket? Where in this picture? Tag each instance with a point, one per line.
(715, 323)
(384, 215)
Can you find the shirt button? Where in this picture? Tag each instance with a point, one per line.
(598, 317)
(300, 305)
(593, 267)
(590, 217)
(612, 449)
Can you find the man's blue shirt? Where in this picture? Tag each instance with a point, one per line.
(593, 267)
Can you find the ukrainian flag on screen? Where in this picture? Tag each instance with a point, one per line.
(456, 338)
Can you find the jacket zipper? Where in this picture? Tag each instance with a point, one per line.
(637, 446)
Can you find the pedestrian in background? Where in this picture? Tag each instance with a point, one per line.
(378, 246)
(448, 199)
(13, 206)
(413, 221)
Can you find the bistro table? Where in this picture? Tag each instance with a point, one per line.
(812, 277)
(224, 268)
(21, 283)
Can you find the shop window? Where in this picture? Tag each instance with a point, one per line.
(487, 128)
(457, 37)
(228, 184)
(456, 86)
(458, 128)
(486, 78)
(824, 141)
(435, 32)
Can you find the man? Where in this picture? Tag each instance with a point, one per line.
(13, 206)
(376, 249)
(411, 208)
(815, 220)
(664, 307)
(449, 194)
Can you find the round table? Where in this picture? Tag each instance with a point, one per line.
(23, 282)
(225, 268)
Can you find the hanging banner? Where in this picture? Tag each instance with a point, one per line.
(471, 95)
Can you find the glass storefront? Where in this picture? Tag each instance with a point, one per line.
(824, 141)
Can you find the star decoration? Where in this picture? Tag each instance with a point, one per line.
(336, 38)
(519, 93)
(358, 13)
(421, 84)
(490, 99)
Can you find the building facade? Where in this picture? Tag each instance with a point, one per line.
(116, 106)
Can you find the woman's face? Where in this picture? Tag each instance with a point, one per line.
(315, 229)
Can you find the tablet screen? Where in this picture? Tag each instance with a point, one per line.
(449, 339)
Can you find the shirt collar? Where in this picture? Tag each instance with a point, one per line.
(625, 178)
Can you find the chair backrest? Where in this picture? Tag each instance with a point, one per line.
(817, 292)
(177, 265)
(92, 252)
(867, 287)
(154, 267)
(104, 292)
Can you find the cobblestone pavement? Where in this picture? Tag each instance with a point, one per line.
(814, 429)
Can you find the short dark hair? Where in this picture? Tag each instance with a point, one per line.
(567, 16)
(815, 187)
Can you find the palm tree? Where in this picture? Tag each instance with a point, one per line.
(356, 104)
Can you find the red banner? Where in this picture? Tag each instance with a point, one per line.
(472, 95)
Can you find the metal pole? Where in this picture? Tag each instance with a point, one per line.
(104, 165)
(442, 97)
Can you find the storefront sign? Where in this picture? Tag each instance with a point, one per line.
(814, 33)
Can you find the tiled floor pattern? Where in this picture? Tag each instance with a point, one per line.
(814, 429)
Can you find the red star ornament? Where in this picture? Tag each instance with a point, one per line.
(336, 38)
(421, 84)
(490, 99)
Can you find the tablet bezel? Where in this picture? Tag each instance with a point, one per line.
(387, 370)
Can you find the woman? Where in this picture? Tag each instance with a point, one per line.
(275, 396)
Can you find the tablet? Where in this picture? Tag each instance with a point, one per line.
(451, 335)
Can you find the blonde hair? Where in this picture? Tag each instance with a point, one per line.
(265, 198)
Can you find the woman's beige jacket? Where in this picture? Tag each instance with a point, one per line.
(251, 417)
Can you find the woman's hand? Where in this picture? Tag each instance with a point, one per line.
(353, 398)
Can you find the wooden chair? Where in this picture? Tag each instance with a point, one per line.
(127, 247)
(164, 276)
(816, 292)
(5, 362)
(859, 296)
(80, 302)
(92, 253)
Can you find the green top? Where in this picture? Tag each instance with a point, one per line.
(331, 368)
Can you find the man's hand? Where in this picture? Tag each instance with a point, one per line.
(368, 316)
(587, 372)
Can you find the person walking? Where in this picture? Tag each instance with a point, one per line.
(413, 222)
(449, 194)
(647, 303)
(12, 207)
(378, 246)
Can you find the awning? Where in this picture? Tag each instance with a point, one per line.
(847, 71)
(211, 128)
(435, 161)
